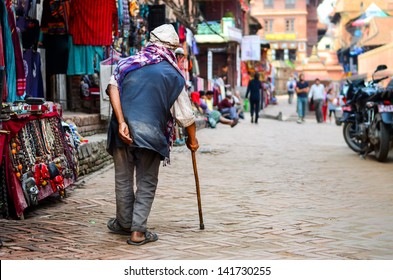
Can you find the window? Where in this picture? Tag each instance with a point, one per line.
(290, 25)
(290, 4)
(292, 55)
(268, 3)
(268, 26)
(279, 54)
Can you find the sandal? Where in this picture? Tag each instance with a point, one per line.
(149, 237)
(114, 226)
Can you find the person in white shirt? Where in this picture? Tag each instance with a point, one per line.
(317, 93)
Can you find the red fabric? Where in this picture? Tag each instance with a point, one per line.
(226, 103)
(91, 22)
(182, 34)
(324, 111)
(20, 69)
(195, 97)
(216, 95)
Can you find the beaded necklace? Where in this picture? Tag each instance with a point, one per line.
(57, 136)
(27, 146)
(49, 138)
(37, 136)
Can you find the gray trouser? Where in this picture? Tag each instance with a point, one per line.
(133, 208)
(318, 109)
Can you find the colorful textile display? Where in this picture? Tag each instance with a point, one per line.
(91, 21)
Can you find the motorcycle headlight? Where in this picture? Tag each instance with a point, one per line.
(370, 104)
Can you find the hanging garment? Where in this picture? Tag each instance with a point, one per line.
(22, 7)
(9, 54)
(182, 34)
(54, 17)
(126, 19)
(195, 66)
(120, 12)
(84, 60)
(32, 13)
(2, 63)
(189, 37)
(56, 47)
(20, 71)
(30, 29)
(34, 83)
(91, 21)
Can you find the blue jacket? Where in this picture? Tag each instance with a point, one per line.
(148, 93)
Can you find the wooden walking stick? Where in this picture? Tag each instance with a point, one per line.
(198, 191)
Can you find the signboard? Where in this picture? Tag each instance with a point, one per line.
(234, 34)
(281, 36)
(251, 48)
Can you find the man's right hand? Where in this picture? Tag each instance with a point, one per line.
(192, 142)
(124, 133)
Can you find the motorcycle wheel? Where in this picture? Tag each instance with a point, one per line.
(349, 131)
(382, 148)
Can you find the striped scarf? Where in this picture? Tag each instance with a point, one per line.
(152, 54)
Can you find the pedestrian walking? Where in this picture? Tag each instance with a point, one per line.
(291, 84)
(317, 93)
(301, 89)
(254, 88)
(146, 92)
(333, 102)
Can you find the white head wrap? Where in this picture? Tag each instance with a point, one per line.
(165, 35)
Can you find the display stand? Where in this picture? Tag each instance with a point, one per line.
(39, 155)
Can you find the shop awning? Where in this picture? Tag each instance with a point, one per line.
(232, 35)
(210, 38)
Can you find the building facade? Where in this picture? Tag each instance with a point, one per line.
(284, 26)
(353, 29)
(218, 38)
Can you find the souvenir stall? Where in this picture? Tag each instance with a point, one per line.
(38, 150)
(39, 154)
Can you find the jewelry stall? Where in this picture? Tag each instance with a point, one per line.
(39, 155)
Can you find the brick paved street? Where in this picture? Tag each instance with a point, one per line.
(277, 190)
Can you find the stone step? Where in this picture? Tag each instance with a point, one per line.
(92, 155)
(87, 124)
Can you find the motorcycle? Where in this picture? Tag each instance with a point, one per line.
(368, 117)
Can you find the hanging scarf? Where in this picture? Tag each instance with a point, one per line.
(152, 54)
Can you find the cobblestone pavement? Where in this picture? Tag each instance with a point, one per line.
(276, 190)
